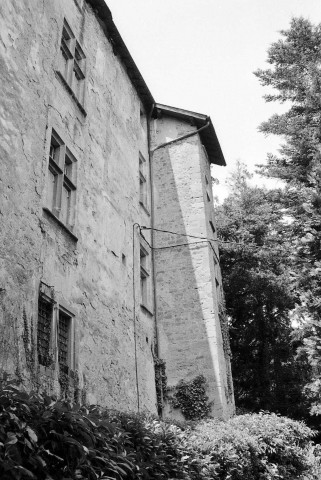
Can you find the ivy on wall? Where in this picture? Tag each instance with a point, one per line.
(191, 399)
(161, 383)
(226, 346)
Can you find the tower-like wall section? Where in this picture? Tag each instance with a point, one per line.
(187, 268)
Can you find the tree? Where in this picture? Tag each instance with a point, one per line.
(259, 297)
(295, 76)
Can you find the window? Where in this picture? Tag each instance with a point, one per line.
(45, 310)
(64, 341)
(72, 62)
(144, 277)
(142, 118)
(218, 290)
(212, 227)
(208, 195)
(54, 334)
(143, 190)
(61, 188)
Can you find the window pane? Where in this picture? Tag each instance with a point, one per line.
(143, 288)
(52, 188)
(143, 191)
(65, 204)
(64, 59)
(68, 168)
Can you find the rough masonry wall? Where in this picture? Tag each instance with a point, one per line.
(91, 277)
(189, 333)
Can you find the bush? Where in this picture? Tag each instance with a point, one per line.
(41, 438)
(252, 447)
(45, 439)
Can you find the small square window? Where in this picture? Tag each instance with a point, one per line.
(212, 226)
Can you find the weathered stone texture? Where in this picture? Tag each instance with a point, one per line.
(189, 332)
(93, 276)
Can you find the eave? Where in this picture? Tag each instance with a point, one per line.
(120, 49)
(208, 135)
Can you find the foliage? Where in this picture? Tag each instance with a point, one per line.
(51, 440)
(252, 447)
(295, 79)
(161, 383)
(45, 439)
(259, 297)
(191, 398)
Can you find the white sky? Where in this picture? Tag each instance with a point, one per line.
(200, 55)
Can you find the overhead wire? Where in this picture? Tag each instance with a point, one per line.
(204, 239)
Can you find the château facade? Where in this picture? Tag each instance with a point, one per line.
(108, 258)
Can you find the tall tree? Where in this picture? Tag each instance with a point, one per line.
(259, 296)
(295, 77)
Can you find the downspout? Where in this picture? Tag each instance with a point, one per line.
(134, 313)
(151, 176)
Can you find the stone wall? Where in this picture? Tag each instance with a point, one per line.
(88, 268)
(188, 280)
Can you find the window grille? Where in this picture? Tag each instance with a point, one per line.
(63, 339)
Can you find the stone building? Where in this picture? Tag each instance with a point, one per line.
(93, 288)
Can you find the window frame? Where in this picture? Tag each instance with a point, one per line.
(45, 359)
(66, 179)
(72, 63)
(145, 277)
(143, 183)
(53, 357)
(69, 364)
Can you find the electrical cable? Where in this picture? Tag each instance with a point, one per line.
(207, 239)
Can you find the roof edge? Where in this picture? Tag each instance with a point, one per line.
(104, 14)
(208, 135)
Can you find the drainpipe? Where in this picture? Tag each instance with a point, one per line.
(134, 313)
(151, 176)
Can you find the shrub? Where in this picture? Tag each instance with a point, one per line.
(45, 439)
(253, 447)
(41, 438)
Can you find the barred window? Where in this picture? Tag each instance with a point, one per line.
(64, 326)
(45, 310)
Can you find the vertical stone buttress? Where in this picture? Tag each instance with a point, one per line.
(188, 281)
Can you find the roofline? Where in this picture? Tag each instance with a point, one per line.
(208, 135)
(120, 49)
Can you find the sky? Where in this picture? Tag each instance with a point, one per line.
(201, 54)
